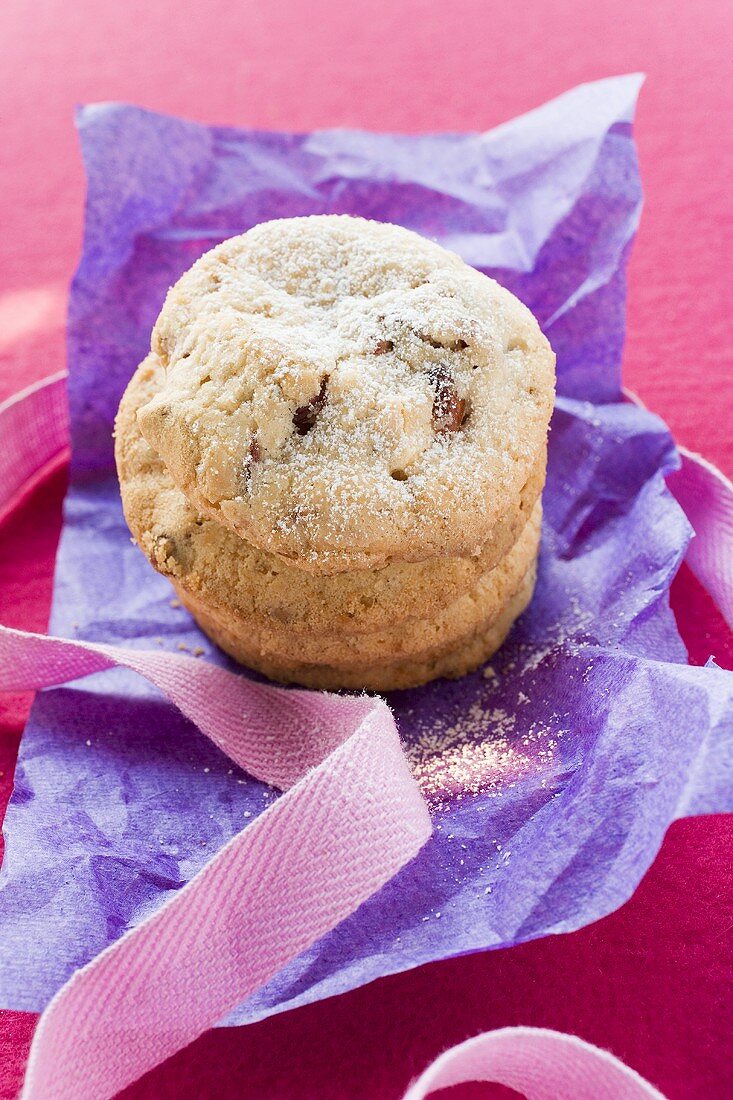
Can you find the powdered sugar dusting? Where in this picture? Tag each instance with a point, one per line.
(480, 747)
(396, 398)
(484, 750)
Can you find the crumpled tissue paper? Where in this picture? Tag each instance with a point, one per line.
(553, 773)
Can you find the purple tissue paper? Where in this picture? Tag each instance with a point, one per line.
(552, 774)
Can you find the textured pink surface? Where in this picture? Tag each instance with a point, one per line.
(650, 982)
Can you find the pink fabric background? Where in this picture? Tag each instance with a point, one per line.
(652, 981)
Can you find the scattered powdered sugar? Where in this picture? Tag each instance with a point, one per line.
(482, 750)
(486, 743)
(527, 657)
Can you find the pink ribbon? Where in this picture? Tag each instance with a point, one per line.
(351, 817)
(344, 828)
(34, 433)
(540, 1064)
(706, 497)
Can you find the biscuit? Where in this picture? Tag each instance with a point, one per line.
(295, 629)
(212, 563)
(343, 648)
(452, 660)
(345, 394)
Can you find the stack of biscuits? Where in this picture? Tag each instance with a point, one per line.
(336, 451)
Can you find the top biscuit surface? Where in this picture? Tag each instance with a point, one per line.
(346, 393)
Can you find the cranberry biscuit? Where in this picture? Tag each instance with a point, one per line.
(302, 627)
(345, 394)
(210, 561)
